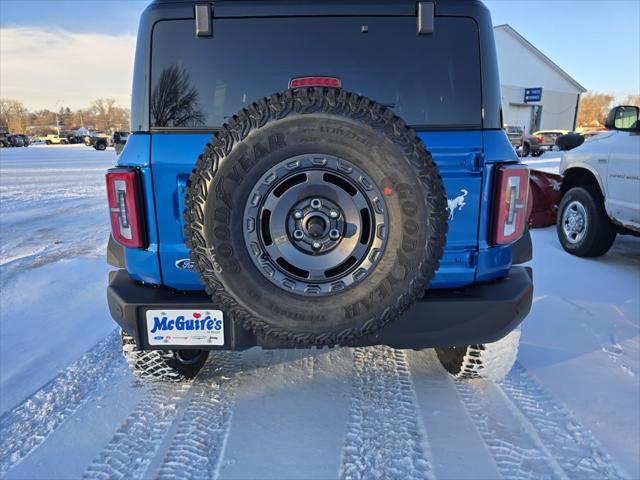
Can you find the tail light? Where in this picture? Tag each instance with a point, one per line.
(123, 191)
(510, 207)
(540, 138)
(298, 82)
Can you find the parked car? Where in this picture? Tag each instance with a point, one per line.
(16, 140)
(601, 187)
(4, 139)
(72, 138)
(54, 139)
(25, 140)
(547, 138)
(316, 216)
(119, 141)
(99, 141)
(524, 144)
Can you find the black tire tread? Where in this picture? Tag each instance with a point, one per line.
(304, 101)
(156, 365)
(602, 233)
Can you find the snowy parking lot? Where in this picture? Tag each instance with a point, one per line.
(69, 407)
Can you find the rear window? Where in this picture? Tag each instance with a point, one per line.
(429, 80)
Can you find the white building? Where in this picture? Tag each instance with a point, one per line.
(522, 66)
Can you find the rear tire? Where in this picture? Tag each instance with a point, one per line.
(162, 365)
(101, 146)
(492, 361)
(583, 226)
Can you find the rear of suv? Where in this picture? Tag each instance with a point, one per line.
(317, 174)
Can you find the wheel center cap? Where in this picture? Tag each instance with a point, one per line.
(316, 226)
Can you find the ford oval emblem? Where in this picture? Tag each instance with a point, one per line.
(185, 264)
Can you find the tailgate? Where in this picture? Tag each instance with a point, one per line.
(457, 154)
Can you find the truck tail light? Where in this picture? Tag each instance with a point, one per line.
(540, 139)
(510, 207)
(125, 207)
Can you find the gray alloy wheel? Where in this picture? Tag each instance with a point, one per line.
(315, 224)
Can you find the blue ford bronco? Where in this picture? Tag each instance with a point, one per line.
(318, 173)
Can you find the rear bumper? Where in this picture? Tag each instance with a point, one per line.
(479, 313)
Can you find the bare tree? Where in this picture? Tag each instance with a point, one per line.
(13, 115)
(174, 102)
(103, 112)
(593, 109)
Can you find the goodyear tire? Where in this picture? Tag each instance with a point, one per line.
(315, 216)
(491, 361)
(162, 365)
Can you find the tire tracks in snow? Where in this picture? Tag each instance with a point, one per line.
(574, 448)
(136, 442)
(529, 435)
(384, 437)
(198, 444)
(189, 420)
(518, 454)
(29, 424)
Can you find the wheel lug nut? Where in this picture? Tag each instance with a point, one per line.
(334, 234)
(333, 214)
(316, 245)
(298, 235)
(297, 214)
(316, 204)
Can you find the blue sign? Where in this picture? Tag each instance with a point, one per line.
(532, 94)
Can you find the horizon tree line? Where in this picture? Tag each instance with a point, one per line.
(103, 114)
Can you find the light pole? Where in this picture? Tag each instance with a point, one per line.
(55, 107)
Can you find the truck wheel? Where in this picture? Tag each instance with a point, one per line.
(315, 217)
(162, 365)
(48, 142)
(583, 226)
(101, 146)
(491, 360)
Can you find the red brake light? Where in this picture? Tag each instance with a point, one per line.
(540, 138)
(315, 82)
(123, 191)
(510, 207)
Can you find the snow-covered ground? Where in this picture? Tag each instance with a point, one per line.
(69, 408)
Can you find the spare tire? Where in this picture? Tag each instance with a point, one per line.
(315, 217)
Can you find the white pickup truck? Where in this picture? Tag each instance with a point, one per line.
(601, 187)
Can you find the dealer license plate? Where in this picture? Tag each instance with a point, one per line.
(185, 327)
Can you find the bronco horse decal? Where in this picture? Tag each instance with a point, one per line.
(456, 203)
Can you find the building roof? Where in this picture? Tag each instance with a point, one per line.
(512, 31)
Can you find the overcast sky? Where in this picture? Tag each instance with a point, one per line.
(69, 52)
